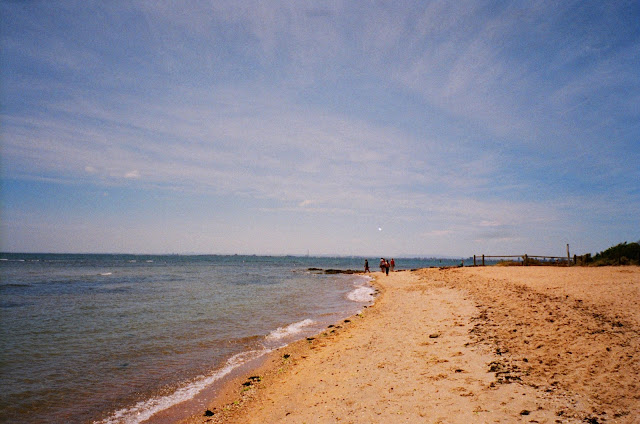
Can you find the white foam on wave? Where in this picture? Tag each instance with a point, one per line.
(106, 273)
(289, 330)
(144, 410)
(361, 294)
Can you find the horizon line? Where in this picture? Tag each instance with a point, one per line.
(405, 256)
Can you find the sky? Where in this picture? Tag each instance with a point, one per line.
(426, 128)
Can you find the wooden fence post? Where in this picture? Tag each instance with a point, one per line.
(483, 260)
(524, 263)
(474, 260)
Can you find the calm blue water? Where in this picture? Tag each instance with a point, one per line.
(116, 338)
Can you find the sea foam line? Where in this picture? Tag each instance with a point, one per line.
(289, 330)
(361, 294)
(144, 410)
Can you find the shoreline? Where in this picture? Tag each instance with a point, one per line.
(457, 345)
(222, 390)
(229, 398)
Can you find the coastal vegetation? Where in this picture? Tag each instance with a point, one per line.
(620, 254)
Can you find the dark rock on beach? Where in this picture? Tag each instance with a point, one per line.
(334, 271)
(341, 271)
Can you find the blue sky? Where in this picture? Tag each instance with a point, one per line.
(351, 128)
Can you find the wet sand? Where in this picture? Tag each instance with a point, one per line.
(461, 345)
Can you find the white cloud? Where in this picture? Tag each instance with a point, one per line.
(489, 224)
(284, 152)
(456, 119)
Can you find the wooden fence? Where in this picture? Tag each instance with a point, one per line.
(526, 259)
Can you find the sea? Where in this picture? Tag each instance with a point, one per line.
(125, 338)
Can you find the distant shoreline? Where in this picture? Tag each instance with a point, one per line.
(249, 255)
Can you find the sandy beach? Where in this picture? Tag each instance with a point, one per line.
(461, 345)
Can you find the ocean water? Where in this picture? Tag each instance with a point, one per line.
(118, 338)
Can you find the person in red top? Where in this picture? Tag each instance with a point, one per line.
(393, 264)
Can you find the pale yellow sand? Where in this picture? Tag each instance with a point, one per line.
(471, 345)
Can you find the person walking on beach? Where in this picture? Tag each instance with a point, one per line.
(393, 264)
(386, 267)
(366, 266)
(382, 264)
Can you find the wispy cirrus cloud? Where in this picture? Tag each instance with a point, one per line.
(278, 153)
(470, 123)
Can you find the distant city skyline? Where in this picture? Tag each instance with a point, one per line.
(341, 128)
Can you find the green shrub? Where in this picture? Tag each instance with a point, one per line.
(621, 254)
